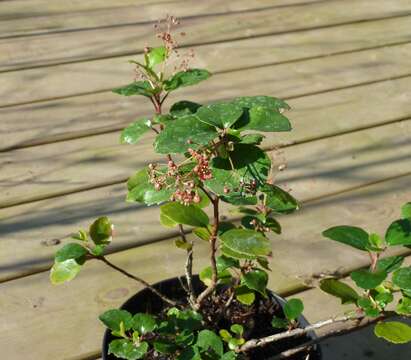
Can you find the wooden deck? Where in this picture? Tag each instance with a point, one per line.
(343, 65)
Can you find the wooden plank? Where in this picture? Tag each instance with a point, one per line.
(30, 51)
(29, 302)
(42, 16)
(40, 172)
(86, 77)
(316, 169)
(83, 115)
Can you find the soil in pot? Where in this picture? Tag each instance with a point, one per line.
(257, 319)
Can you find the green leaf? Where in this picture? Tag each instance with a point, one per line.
(191, 353)
(186, 78)
(237, 329)
(207, 340)
(252, 139)
(184, 133)
(224, 263)
(366, 279)
(279, 200)
(406, 211)
(144, 323)
(80, 235)
(399, 233)
(64, 271)
(279, 323)
(101, 231)
(293, 308)
(230, 355)
(188, 215)
(202, 233)
(248, 102)
(185, 338)
(240, 199)
(256, 280)
(133, 132)
(125, 349)
(244, 295)
(247, 242)
(404, 306)
(339, 289)
(402, 278)
(389, 264)
(224, 276)
(393, 331)
(140, 190)
(384, 299)
(264, 119)
(71, 251)
(156, 56)
(112, 319)
(349, 235)
(251, 164)
(222, 115)
(376, 242)
(164, 346)
(236, 255)
(183, 108)
(136, 88)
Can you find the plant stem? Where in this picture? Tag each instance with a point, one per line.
(189, 263)
(254, 343)
(139, 280)
(332, 333)
(213, 250)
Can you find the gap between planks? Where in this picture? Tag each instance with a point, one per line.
(78, 17)
(31, 300)
(316, 171)
(40, 171)
(52, 49)
(286, 81)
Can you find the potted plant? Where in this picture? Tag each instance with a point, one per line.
(212, 156)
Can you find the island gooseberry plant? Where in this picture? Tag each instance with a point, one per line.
(212, 155)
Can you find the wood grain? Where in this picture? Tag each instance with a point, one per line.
(86, 77)
(31, 51)
(41, 16)
(96, 113)
(31, 301)
(316, 169)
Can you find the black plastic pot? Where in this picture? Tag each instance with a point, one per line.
(146, 302)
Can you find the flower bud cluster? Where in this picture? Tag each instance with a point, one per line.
(202, 169)
(186, 192)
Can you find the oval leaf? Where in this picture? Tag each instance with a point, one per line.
(248, 242)
(64, 271)
(207, 340)
(181, 214)
(349, 235)
(393, 331)
(71, 251)
(144, 323)
(256, 280)
(184, 133)
(101, 231)
(399, 233)
(125, 349)
(366, 279)
(136, 88)
(133, 132)
(279, 200)
(293, 309)
(402, 278)
(339, 289)
(221, 115)
(186, 78)
(112, 319)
